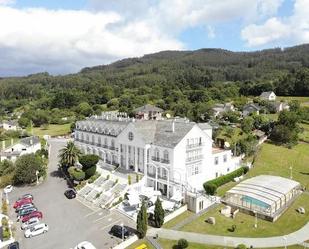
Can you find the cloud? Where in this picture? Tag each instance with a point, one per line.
(283, 30)
(65, 41)
(7, 2)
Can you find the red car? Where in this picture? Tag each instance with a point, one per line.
(22, 202)
(34, 214)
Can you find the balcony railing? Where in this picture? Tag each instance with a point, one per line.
(162, 160)
(153, 175)
(194, 158)
(166, 161)
(192, 146)
(156, 159)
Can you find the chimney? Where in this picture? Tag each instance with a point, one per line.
(31, 142)
(173, 126)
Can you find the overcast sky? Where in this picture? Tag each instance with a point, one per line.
(63, 36)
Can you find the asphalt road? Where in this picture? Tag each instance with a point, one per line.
(69, 221)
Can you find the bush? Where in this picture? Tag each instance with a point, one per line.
(90, 171)
(6, 233)
(4, 207)
(94, 177)
(182, 243)
(76, 174)
(241, 246)
(81, 185)
(211, 186)
(88, 161)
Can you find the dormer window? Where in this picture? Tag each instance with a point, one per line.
(130, 136)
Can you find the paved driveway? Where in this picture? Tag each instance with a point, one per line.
(69, 221)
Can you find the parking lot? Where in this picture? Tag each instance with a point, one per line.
(69, 221)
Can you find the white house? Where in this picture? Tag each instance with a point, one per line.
(26, 145)
(174, 155)
(281, 106)
(11, 125)
(148, 112)
(251, 108)
(269, 96)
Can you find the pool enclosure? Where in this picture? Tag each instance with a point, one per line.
(265, 196)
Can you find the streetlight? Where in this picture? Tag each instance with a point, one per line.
(255, 214)
(291, 172)
(285, 242)
(122, 234)
(37, 177)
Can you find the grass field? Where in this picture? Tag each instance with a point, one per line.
(305, 135)
(178, 219)
(171, 244)
(52, 130)
(302, 100)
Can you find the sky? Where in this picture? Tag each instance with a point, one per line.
(64, 36)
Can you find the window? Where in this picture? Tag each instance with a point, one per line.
(93, 139)
(165, 156)
(225, 158)
(217, 174)
(216, 160)
(196, 170)
(113, 143)
(87, 138)
(105, 141)
(228, 170)
(130, 136)
(99, 140)
(157, 154)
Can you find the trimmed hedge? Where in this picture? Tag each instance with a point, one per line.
(212, 185)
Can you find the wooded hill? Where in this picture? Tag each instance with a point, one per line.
(185, 82)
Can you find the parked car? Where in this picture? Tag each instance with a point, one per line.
(37, 214)
(8, 189)
(36, 230)
(85, 245)
(24, 212)
(14, 245)
(117, 231)
(21, 202)
(24, 206)
(30, 223)
(70, 193)
(26, 196)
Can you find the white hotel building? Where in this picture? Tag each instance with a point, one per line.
(174, 155)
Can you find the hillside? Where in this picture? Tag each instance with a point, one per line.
(185, 82)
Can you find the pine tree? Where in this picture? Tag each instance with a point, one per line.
(158, 213)
(142, 222)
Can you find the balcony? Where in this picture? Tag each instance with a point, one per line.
(195, 158)
(194, 146)
(165, 161)
(153, 175)
(155, 159)
(113, 148)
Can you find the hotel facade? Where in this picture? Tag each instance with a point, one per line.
(174, 155)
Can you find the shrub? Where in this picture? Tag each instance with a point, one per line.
(76, 174)
(6, 234)
(241, 246)
(81, 185)
(89, 172)
(4, 207)
(94, 177)
(246, 169)
(88, 161)
(129, 179)
(211, 186)
(182, 243)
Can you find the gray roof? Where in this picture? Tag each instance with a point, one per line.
(204, 126)
(266, 188)
(107, 127)
(266, 94)
(148, 108)
(29, 141)
(11, 153)
(252, 106)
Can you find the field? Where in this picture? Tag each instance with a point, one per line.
(52, 130)
(171, 244)
(304, 101)
(305, 135)
(175, 221)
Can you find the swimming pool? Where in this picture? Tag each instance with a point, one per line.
(256, 202)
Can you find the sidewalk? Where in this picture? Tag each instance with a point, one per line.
(294, 238)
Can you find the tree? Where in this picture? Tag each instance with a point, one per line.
(6, 167)
(85, 109)
(76, 174)
(88, 161)
(69, 155)
(284, 135)
(158, 213)
(26, 168)
(247, 124)
(182, 244)
(142, 221)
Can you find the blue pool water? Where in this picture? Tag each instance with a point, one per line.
(255, 202)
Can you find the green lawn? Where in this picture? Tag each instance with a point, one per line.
(178, 219)
(52, 130)
(303, 100)
(170, 244)
(289, 222)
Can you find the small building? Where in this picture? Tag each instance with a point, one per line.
(148, 112)
(265, 196)
(26, 145)
(219, 109)
(281, 106)
(251, 108)
(269, 96)
(260, 136)
(10, 125)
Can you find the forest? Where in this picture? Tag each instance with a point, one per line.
(185, 83)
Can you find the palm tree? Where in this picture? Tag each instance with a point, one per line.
(69, 155)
